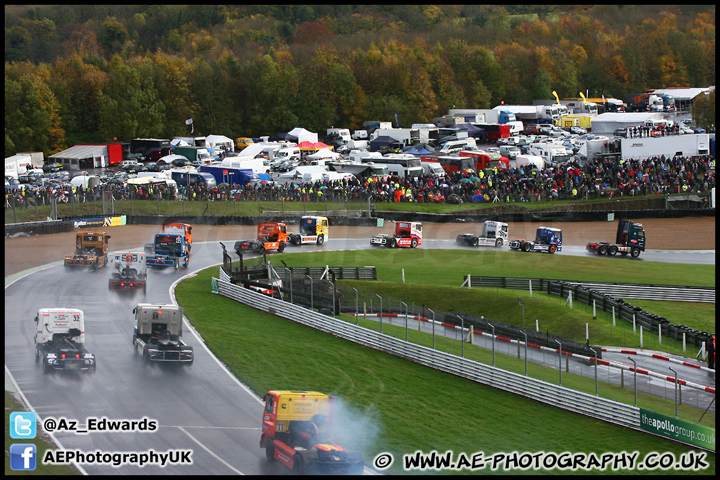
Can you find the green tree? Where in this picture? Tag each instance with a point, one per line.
(32, 122)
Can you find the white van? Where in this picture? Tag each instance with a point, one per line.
(454, 146)
(125, 163)
(287, 153)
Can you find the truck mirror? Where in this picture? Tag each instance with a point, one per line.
(134, 310)
(36, 319)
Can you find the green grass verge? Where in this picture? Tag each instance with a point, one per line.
(41, 443)
(404, 406)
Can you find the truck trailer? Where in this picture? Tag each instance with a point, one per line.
(60, 341)
(630, 238)
(158, 334)
(296, 430)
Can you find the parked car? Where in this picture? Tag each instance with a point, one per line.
(685, 130)
(576, 130)
(620, 132)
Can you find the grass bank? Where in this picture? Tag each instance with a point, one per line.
(405, 407)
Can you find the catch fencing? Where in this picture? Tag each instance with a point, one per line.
(538, 390)
(602, 295)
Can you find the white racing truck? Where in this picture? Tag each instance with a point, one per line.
(494, 234)
(59, 341)
(130, 272)
(158, 332)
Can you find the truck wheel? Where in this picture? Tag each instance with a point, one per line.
(175, 264)
(298, 465)
(321, 239)
(612, 251)
(413, 243)
(392, 243)
(552, 249)
(270, 450)
(635, 252)
(281, 247)
(95, 264)
(37, 356)
(187, 262)
(602, 250)
(45, 366)
(498, 242)
(475, 242)
(525, 247)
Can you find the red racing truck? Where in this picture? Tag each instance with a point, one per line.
(407, 234)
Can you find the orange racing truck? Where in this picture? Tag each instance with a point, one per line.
(90, 250)
(181, 229)
(296, 427)
(270, 236)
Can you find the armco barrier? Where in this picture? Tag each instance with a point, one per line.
(603, 294)
(538, 390)
(38, 228)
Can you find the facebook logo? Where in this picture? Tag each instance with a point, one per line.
(23, 456)
(23, 425)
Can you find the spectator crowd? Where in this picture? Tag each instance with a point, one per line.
(599, 178)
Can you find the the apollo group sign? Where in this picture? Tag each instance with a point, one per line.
(679, 430)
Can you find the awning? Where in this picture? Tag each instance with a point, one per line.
(81, 152)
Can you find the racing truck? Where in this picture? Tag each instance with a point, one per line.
(181, 229)
(158, 334)
(130, 272)
(169, 250)
(60, 339)
(270, 236)
(90, 250)
(630, 239)
(295, 430)
(546, 240)
(312, 230)
(494, 234)
(407, 234)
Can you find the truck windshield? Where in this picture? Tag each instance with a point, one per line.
(172, 243)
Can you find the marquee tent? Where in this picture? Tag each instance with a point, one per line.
(607, 123)
(88, 156)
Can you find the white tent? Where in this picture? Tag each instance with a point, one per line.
(606, 123)
(220, 140)
(91, 156)
(323, 153)
(179, 142)
(303, 135)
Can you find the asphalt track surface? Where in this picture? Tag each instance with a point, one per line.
(201, 407)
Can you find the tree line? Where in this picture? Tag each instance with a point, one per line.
(84, 74)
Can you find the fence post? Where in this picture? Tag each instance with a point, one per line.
(433, 327)
(641, 336)
(493, 342)
(634, 328)
(560, 360)
(683, 342)
(613, 309)
(659, 334)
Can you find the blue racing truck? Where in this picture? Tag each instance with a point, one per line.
(546, 240)
(169, 250)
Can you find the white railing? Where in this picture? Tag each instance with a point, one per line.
(538, 390)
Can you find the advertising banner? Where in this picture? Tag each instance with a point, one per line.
(670, 427)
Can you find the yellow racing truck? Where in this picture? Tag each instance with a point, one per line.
(314, 230)
(90, 250)
(295, 430)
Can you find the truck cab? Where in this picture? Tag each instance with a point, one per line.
(158, 334)
(407, 234)
(296, 427)
(546, 240)
(270, 236)
(170, 250)
(494, 234)
(59, 341)
(180, 229)
(313, 230)
(90, 250)
(130, 272)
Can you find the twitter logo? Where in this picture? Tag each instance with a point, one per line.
(23, 425)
